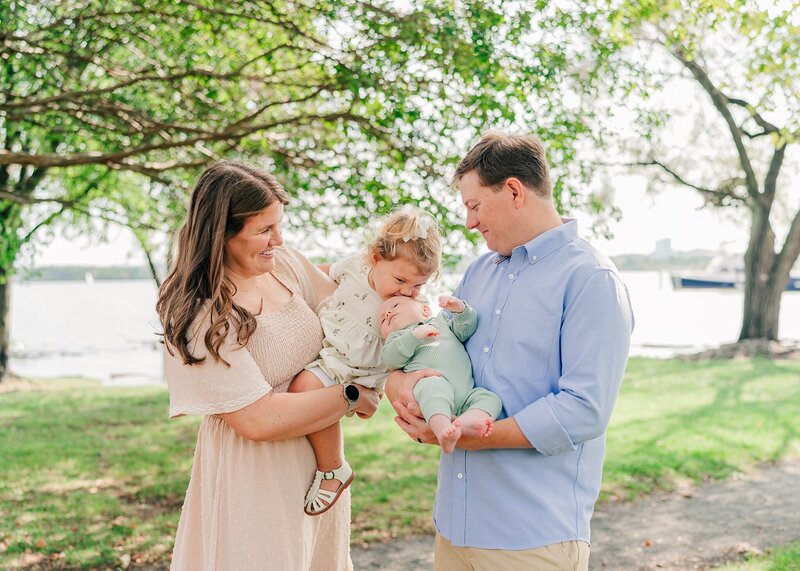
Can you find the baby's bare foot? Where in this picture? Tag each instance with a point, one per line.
(449, 437)
(476, 423)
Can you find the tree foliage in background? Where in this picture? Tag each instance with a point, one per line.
(110, 108)
(735, 142)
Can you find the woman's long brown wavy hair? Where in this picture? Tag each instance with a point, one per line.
(224, 197)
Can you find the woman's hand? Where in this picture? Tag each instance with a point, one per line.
(368, 400)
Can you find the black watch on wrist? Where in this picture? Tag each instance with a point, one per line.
(351, 395)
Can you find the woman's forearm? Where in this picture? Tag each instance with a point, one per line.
(281, 416)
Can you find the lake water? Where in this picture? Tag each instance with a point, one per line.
(107, 329)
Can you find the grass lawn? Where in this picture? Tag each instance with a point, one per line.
(785, 558)
(93, 477)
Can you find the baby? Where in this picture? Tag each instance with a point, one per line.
(415, 341)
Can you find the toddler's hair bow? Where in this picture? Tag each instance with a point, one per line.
(420, 230)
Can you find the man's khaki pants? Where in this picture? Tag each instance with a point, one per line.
(566, 556)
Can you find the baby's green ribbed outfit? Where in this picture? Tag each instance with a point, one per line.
(454, 392)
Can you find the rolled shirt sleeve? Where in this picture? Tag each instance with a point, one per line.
(592, 368)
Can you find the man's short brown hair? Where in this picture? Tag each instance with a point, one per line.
(497, 157)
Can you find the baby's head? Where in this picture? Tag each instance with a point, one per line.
(400, 311)
(405, 254)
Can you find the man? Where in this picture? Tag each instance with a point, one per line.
(554, 326)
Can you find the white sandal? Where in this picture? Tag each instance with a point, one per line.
(318, 501)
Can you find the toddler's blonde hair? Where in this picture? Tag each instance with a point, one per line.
(412, 234)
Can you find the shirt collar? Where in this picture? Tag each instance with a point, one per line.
(550, 241)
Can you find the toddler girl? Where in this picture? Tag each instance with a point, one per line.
(405, 254)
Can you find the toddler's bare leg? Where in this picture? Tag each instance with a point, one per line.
(447, 432)
(475, 422)
(328, 442)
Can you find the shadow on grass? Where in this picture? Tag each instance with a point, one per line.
(699, 421)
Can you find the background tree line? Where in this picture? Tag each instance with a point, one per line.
(109, 109)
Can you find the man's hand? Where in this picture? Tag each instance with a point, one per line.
(451, 304)
(414, 425)
(400, 391)
(400, 387)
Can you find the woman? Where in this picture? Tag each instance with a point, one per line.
(238, 325)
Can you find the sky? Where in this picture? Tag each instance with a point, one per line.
(677, 214)
(673, 214)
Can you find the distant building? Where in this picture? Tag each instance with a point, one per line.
(663, 250)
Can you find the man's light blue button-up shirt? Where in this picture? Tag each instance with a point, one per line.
(554, 326)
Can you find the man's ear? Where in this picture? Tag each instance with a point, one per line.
(517, 191)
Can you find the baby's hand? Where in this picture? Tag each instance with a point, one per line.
(423, 331)
(451, 304)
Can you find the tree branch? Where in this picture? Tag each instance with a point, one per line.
(76, 206)
(790, 251)
(99, 157)
(720, 102)
(726, 189)
(26, 185)
(38, 104)
(148, 254)
(280, 22)
(771, 180)
(271, 104)
(64, 207)
(763, 123)
(46, 221)
(153, 174)
(21, 199)
(752, 135)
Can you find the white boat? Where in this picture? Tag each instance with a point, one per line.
(723, 272)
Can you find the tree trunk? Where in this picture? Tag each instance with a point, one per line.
(10, 223)
(762, 314)
(763, 286)
(148, 254)
(5, 325)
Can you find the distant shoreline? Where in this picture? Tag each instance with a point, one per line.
(625, 262)
(84, 273)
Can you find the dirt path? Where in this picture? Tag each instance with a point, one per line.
(699, 528)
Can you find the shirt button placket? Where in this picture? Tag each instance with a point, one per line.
(460, 496)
